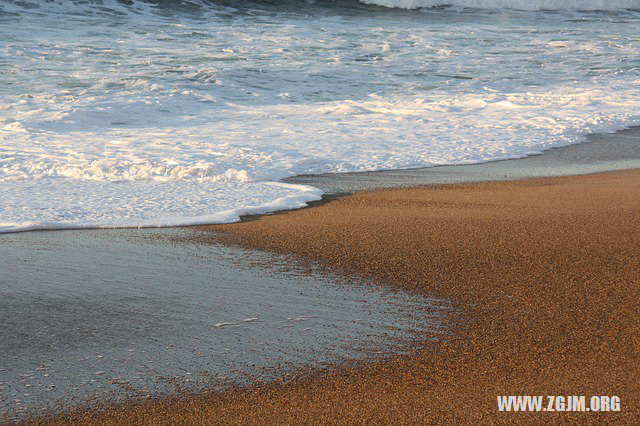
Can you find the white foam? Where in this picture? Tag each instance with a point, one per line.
(533, 5)
(118, 126)
(71, 203)
(56, 191)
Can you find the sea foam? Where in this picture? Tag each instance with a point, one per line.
(532, 5)
(108, 120)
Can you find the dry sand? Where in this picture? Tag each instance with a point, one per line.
(546, 271)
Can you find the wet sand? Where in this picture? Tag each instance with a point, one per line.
(114, 316)
(546, 273)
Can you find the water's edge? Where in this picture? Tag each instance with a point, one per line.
(105, 317)
(599, 153)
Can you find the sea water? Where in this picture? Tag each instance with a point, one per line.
(154, 113)
(111, 315)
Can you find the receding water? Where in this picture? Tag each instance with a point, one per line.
(110, 314)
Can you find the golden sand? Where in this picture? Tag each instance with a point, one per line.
(546, 272)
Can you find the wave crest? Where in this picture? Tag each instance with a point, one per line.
(533, 5)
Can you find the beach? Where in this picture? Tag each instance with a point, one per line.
(327, 211)
(544, 274)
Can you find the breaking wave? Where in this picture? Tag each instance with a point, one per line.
(145, 6)
(119, 113)
(531, 5)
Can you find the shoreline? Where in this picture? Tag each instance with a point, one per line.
(545, 272)
(104, 318)
(600, 152)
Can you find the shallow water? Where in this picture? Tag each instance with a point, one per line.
(117, 113)
(107, 315)
(601, 153)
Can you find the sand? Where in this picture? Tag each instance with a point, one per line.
(545, 274)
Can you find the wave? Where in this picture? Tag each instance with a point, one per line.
(532, 5)
(190, 6)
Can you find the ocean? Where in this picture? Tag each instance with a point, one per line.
(162, 113)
